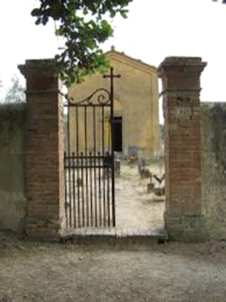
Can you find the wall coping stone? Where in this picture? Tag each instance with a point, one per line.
(181, 64)
(45, 66)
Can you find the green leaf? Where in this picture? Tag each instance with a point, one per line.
(83, 25)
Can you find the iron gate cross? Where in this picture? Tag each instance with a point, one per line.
(112, 76)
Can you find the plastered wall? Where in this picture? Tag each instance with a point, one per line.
(213, 126)
(12, 199)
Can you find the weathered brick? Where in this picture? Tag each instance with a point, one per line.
(181, 86)
(44, 151)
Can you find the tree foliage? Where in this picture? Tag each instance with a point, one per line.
(223, 1)
(84, 25)
(16, 93)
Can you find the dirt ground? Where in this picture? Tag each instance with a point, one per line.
(135, 208)
(168, 272)
(122, 272)
(137, 211)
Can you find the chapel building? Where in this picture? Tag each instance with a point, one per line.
(136, 114)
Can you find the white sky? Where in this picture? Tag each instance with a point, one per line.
(153, 30)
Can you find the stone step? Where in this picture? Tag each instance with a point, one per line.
(114, 236)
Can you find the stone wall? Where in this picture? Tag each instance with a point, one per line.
(12, 198)
(213, 122)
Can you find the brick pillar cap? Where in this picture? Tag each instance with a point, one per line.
(47, 66)
(183, 63)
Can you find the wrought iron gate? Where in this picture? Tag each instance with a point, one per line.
(89, 160)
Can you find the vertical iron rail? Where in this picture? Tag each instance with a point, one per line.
(91, 189)
(103, 129)
(112, 76)
(94, 165)
(69, 165)
(103, 166)
(112, 146)
(82, 188)
(73, 193)
(68, 130)
(108, 169)
(78, 183)
(86, 165)
(99, 189)
(66, 189)
(70, 196)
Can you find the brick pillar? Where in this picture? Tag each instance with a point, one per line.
(44, 166)
(181, 105)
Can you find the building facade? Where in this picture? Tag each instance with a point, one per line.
(136, 114)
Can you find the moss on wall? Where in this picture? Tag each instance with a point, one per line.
(12, 198)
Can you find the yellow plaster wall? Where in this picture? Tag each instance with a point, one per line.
(136, 100)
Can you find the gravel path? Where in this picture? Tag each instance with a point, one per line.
(68, 273)
(135, 208)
